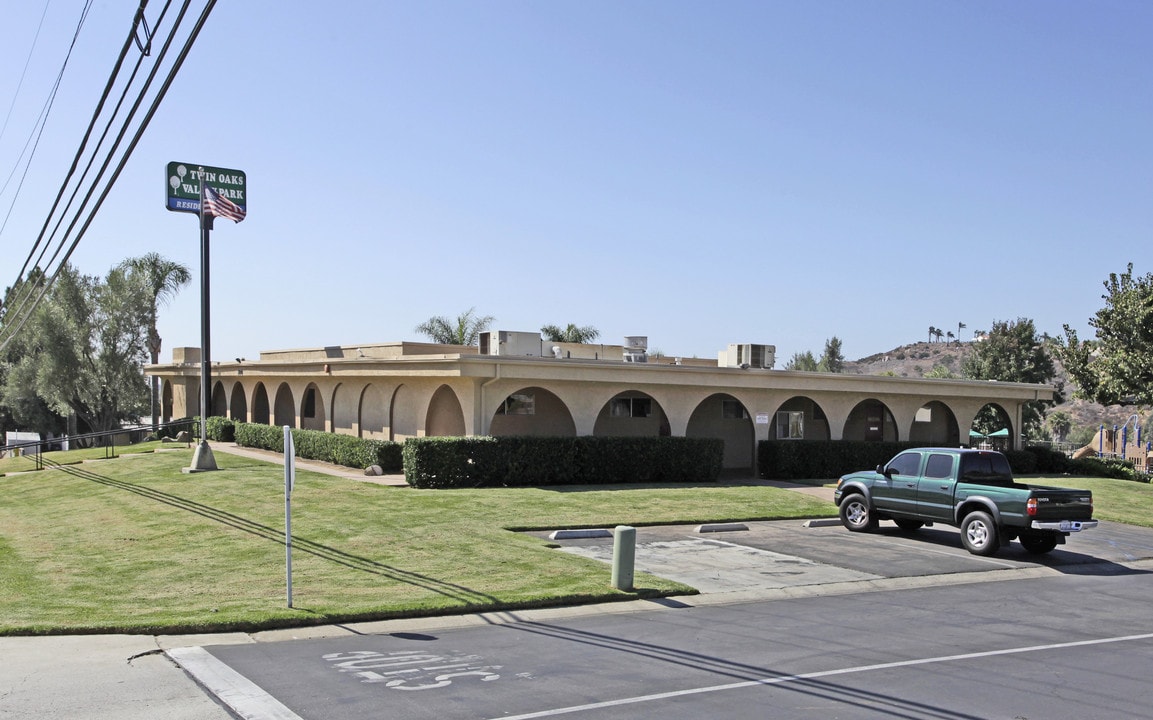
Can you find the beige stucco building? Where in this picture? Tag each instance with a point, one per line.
(394, 391)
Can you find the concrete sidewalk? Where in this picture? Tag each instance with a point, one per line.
(396, 480)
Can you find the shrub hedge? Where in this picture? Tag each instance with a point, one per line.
(822, 459)
(345, 450)
(455, 462)
(221, 429)
(797, 460)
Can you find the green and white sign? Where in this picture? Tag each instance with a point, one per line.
(183, 185)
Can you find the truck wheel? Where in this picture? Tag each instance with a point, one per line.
(979, 533)
(856, 514)
(909, 525)
(1040, 543)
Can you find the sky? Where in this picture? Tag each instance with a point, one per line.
(699, 173)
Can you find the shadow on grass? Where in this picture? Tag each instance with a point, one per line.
(449, 590)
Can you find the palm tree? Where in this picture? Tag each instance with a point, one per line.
(571, 334)
(932, 332)
(161, 279)
(465, 330)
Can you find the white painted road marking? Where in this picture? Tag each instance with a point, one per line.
(423, 670)
(821, 674)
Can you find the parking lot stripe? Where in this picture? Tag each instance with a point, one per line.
(778, 680)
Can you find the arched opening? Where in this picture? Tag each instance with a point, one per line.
(632, 414)
(723, 416)
(445, 417)
(532, 411)
(284, 410)
(166, 401)
(992, 428)
(373, 413)
(260, 405)
(312, 416)
(799, 418)
(871, 421)
(238, 407)
(935, 424)
(344, 410)
(219, 406)
(404, 418)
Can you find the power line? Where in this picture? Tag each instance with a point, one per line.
(25, 306)
(41, 121)
(27, 62)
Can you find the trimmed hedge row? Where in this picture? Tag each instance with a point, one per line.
(822, 459)
(807, 459)
(221, 429)
(345, 450)
(457, 462)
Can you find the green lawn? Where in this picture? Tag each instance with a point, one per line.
(1120, 501)
(134, 545)
(24, 463)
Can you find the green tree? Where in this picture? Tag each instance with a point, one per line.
(832, 360)
(1117, 367)
(82, 351)
(1013, 352)
(20, 406)
(465, 330)
(940, 371)
(161, 279)
(802, 361)
(1059, 423)
(571, 334)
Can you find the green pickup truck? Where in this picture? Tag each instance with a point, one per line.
(973, 490)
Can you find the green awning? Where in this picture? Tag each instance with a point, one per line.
(975, 434)
(1003, 432)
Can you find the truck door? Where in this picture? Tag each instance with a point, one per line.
(935, 489)
(897, 491)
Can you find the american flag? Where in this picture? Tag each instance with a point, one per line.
(217, 205)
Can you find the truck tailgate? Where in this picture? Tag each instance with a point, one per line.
(1062, 504)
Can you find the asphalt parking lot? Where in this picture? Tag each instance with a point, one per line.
(791, 554)
(762, 634)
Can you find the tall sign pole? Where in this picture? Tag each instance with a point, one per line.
(289, 483)
(203, 459)
(209, 192)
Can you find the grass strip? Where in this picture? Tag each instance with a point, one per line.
(135, 545)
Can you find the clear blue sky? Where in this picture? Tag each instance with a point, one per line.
(701, 173)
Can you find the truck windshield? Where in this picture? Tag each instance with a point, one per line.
(986, 468)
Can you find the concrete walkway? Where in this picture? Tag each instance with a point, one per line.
(310, 465)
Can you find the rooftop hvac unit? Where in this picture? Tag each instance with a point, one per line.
(636, 349)
(508, 342)
(750, 356)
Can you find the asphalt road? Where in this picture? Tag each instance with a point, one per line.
(828, 625)
(1066, 646)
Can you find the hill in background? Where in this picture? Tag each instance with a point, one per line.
(918, 359)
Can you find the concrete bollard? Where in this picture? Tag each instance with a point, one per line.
(624, 556)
